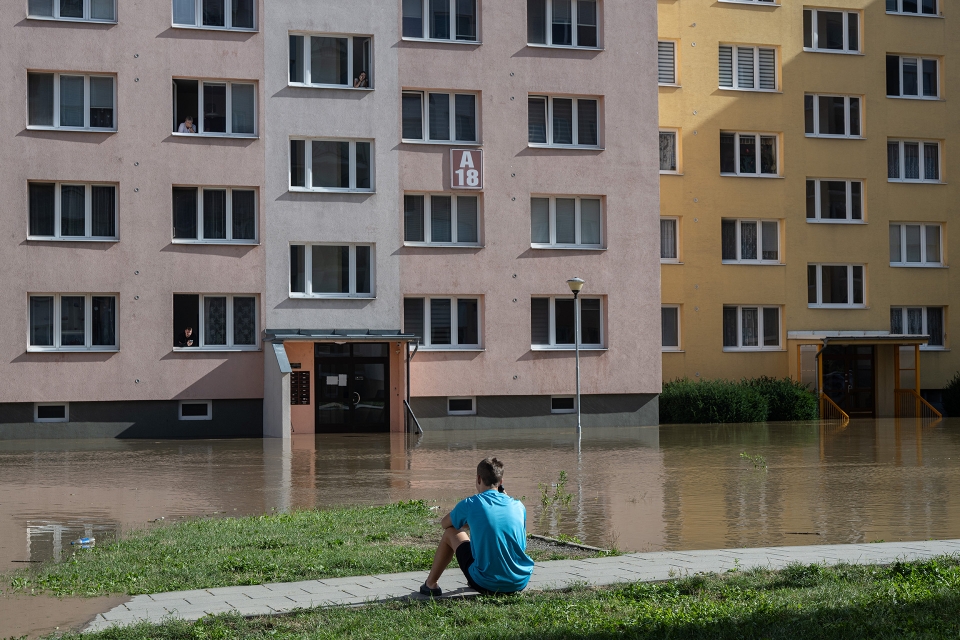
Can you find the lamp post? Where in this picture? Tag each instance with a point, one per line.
(576, 284)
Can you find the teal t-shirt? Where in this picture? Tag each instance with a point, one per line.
(498, 540)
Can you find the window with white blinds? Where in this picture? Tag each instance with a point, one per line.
(748, 68)
(667, 62)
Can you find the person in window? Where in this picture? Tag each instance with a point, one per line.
(187, 339)
(362, 82)
(187, 126)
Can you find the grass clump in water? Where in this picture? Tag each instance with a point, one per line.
(917, 600)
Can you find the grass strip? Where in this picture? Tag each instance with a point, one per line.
(905, 600)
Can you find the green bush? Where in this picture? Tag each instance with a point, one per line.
(951, 396)
(756, 400)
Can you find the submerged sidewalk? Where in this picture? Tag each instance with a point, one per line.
(646, 567)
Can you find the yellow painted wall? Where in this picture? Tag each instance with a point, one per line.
(701, 197)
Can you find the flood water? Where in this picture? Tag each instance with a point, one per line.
(642, 489)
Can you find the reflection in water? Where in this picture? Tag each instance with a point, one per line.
(676, 487)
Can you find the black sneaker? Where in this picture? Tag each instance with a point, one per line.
(427, 591)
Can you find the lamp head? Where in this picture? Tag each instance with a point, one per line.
(575, 284)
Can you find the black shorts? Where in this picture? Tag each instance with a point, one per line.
(465, 559)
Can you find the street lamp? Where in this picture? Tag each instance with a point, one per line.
(576, 284)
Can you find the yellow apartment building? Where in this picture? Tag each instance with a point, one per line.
(806, 196)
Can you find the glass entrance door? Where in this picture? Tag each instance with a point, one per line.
(352, 383)
(848, 378)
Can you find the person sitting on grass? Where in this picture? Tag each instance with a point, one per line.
(494, 561)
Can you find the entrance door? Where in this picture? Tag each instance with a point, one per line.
(848, 378)
(352, 383)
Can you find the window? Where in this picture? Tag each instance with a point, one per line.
(916, 245)
(667, 63)
(919, 321)
(553, 321)
(195, 410)
(342, 62)
(670, 327)
(834, 200)
(441, 219)
(835, 285)
(669, 239)
(565, 222)
(913, 7)
(563, 122)
(747, 328)
(739, 151)
(215, 14)
(227, 108)
(913, 161)
(51, 412)
(331, 271)
(748, 68)
(73, 322)
(563, 404)
(86, 10)
(668, 152)
(461, 406)
(831, 31)
(216, 322)
(71, 101)
(454, 20)
(911, 77)
(214, 214)
(439, 117)
(832, 116)
(443, 323)
(65, 211)
(331, 165)
(563, 23)
(750, 241)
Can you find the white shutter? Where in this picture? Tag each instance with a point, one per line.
(768, 69)
(745, 71)
(726, 66)
(666, 63)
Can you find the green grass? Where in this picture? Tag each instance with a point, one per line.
(912, 600)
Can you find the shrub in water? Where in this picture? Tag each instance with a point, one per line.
(787, 399)
(756, 400)
(951, 396)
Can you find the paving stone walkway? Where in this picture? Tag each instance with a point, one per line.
(648, 567)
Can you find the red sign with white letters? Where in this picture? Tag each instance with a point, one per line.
(466, 168)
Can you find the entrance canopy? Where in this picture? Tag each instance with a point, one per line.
(856, 337)
(351, 335)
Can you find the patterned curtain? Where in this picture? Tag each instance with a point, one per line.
(214, 321)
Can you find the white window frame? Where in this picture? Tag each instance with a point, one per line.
(676, 235)
(199, 330)
(454, 412)
(759, 260)
(920, 60)
(919, 13)
(308, 61)
(86, 102)
(846, 117)
(925, 329)
(578, 223)
(850, 291)
(229, 240)
(815, 36)
(88, 212)
(760, 328)
(198, 122)
(572, 409)
(818, 219)
(922, 161)
(735, 49)
(227, 18)
(209, 415)
(679, 345)
(771, 3)
(757, 140)
(452, 110)
(86, 13)
(552, 326)
(424, 11)
(574, 117)
(428, 219)
(308, 166)
(924, 263)
(676, 64)
(454, 345)
(676, 151)
(36, 411)
(574, 21)
(308, 271)
(87, 324)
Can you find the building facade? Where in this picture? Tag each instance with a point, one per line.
(805, 196)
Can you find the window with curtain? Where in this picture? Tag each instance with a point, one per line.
(557, 221)
(443, 322)
(216, 107)
(85, 10)
(215, 215)
(331, 165)
(750, 241)
(913, 161)
(836, 285)
(73, 322)
(441, 218)
(667, 62)
(455, 20)
(331, 61)
(553, 323)
(332, 271)
(563, 122)
(834, 200)
(832, 116)
(920, 321)
(748, 154)
(831, 31)
(670, 327)
(238, 15)
(443, 117)
(916, 244)
(217, 321)
(668, 151)
(563, 23)
(913, 77)
(669, 239)
(751, 328)
(748, 68)
(80, 102)
(62, 211)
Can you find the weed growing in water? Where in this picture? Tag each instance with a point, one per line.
(759, 462)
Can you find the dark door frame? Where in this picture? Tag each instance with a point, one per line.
(348, 362)
(845, 397)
